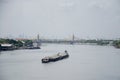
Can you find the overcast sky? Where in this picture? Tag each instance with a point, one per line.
(60, 18)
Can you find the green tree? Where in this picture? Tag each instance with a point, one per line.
(116, 43)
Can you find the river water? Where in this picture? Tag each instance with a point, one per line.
(86, 62)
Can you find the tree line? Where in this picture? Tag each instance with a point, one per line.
(17, 43)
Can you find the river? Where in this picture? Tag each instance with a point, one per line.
(86, 62)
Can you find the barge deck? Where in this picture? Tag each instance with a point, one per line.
(55, 57)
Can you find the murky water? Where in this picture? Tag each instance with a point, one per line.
(86, 62)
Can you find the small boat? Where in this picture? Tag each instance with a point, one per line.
(55, 57)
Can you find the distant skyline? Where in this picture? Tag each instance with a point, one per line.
(59, 19)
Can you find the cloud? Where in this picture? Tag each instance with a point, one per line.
(104, 4)
(67, 4)
(60, 17)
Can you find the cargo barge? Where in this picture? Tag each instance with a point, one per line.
(55, 57)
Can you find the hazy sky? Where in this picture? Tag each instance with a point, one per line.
(60, 18)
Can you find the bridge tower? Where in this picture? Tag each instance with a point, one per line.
(73, 39)
(38, 40)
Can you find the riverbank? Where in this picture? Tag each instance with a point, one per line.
(11, 44)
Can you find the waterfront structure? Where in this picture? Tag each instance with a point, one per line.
(4, 47)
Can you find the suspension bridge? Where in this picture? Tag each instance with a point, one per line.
(71, 40)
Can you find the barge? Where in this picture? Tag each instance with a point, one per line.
(55, 57)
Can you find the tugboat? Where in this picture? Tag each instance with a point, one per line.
(55, 57)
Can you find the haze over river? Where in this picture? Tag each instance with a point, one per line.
(86, 62)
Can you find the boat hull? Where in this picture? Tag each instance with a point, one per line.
(54, 58)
